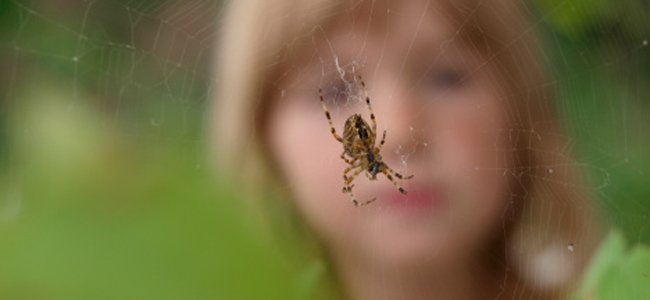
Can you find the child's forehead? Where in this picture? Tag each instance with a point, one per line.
(411, 32)
(403, 24)
(415, 30)
(426, 18)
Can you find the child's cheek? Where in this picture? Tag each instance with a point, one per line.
(472, 156)
(309, 157)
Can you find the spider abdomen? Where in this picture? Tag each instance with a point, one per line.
(358, 137)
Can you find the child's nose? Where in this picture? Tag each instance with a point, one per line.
(397, 112)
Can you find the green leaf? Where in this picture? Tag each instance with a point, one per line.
(616, 273)
(630, 278)
(607, 255)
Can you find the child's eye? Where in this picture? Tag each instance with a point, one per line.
(335, 94)
(444, 78)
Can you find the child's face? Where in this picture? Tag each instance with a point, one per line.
(451, 133)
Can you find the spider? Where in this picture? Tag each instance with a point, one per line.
(359, 150)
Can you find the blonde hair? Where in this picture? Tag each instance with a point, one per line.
(551, 227)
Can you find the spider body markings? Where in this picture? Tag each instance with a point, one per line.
(359, 149)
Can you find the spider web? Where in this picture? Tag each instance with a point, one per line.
(597, 82)
(144, 68)
(577, 91)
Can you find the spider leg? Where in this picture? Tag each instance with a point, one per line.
(348, 179)
(356, 202)
(348, 186)
(367, 98)
(348, 161)
(329, 118)
(389, 174)
(383, 140)
(400, 176)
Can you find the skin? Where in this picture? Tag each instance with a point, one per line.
(443, 111)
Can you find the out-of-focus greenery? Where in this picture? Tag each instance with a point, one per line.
(105, 188)
(600, 60)
(105, 192)
(601, 63)
(581, 18)
(89, 212)
(616, 273)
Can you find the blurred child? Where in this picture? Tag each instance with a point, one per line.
(496, 207)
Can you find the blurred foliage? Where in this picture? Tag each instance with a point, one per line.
(600, 62)
(90, 213)
(616, 273)
(584, 19)
(105, 192)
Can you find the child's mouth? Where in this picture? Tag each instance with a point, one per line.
(418, 198)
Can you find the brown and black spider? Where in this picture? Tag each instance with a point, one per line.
(359, 150)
